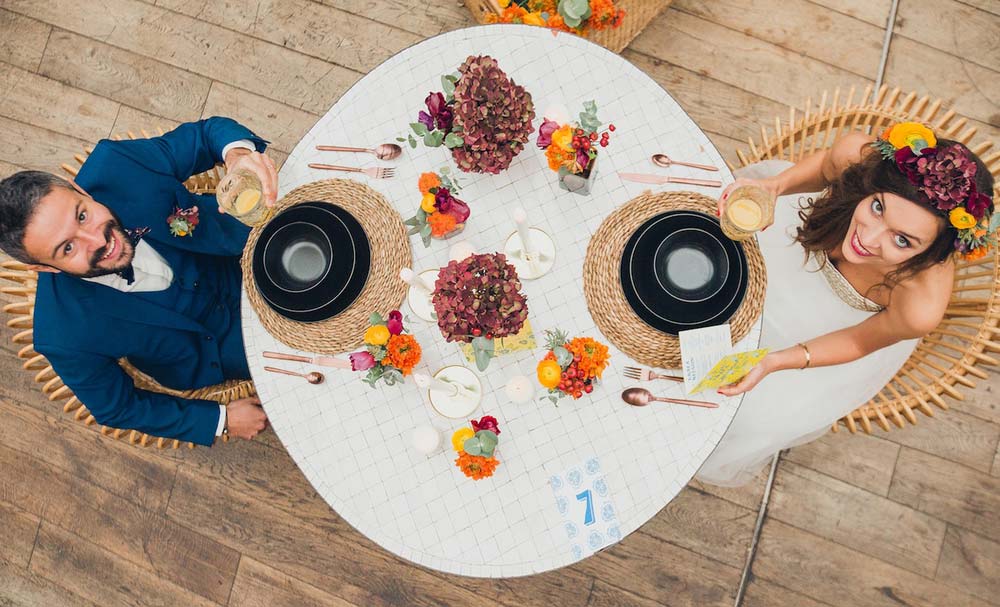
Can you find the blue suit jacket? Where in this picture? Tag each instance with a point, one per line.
(83, 328)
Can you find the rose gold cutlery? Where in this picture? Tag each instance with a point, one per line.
(662, 160)
(323, 361)
(662, 179)
(647, 375)
(385, 151)
(640, 397)
(313, 377)
(373, 172)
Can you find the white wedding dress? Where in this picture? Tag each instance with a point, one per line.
(792, 407)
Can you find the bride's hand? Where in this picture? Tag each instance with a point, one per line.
(750, 380)
(770, 185)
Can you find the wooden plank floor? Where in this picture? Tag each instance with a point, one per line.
(908, 517)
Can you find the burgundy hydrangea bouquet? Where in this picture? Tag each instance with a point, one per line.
(481, 115)
(478, 299)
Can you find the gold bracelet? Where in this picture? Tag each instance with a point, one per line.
(808, 356)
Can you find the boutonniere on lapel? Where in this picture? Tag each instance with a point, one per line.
(183, 221)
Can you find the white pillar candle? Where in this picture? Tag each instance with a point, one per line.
(524, 231)
(426, 439)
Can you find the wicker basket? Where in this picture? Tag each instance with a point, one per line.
(952, 356)
(638, 14)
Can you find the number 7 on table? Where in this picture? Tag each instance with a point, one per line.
(588, 518)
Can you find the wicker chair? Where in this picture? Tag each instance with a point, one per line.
(951, 356)
(21, 311)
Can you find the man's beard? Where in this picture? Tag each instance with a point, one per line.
(125, 256)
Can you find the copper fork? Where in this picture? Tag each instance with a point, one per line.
(647, 375)
(373, 172)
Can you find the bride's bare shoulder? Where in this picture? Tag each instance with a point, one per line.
(917, 304)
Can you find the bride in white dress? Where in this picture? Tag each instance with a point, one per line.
(854, 280)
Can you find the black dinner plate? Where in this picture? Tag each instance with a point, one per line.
(679, 271)
(311, 261)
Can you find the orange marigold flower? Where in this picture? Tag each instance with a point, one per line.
(402, 352)
(604, 15)
(974, 254)
(593, 355)
(512, 14)
(558, 157)
(556, 22)
(428, 181)
(476, 466)
(441, 223)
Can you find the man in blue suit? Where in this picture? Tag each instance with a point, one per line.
(115, 281)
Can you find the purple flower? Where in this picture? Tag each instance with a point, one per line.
(361, 361)
(545, 133)
(582, 159)
(487, 422)
(426, 119)
(446, 203)
(978, 204)
(395, 323)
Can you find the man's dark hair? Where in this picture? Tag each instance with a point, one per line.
(19, 196)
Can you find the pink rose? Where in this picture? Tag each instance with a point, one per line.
(545, 132)
(487, 422)
(362, 361)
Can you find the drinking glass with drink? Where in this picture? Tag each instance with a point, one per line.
(749, 208)
(241, 194)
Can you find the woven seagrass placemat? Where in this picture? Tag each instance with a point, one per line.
(384, 291)
(603, 288)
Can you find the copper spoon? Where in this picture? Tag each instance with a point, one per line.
(640, 397)
(662, 160)
(313, 377)
(385, 151)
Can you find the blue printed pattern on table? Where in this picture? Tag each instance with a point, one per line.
(583, 499)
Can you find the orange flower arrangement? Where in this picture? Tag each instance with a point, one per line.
(476, 466)
(604, 15)
(579, 363)
(593, 355)
(585, 15)
(389, 354)
(559, 157)
(402, 352)
(441, 223)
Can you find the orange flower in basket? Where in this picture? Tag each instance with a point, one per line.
(556, 22)
(604, 14)
(476, 466)
(441, 223)
(428, 181)
(593, 355)
(402, 352)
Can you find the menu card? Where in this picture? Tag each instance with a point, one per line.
(708, 361)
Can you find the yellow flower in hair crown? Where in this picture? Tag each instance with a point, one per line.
(946, 177)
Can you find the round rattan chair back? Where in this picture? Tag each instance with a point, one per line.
(949, 358)
(20, 309)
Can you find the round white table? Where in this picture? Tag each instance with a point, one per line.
(353, 442)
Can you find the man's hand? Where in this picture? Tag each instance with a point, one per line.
(260, 165)
(245, 417)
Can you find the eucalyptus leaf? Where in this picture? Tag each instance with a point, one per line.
(473, 446)
(994, 221)
(392, 377)
(400, 139)
(419, 129)
(376, 319)
(454, 141)
(414, 230)
(412, 221)
(563, 356)
(425, 235)
(434, 139)
(413, 142)
(487, 442)
(448, 84)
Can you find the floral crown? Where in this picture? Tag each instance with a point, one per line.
(947, 177)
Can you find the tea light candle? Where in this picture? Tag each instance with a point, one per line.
(519, 389)
(524, 231)
(426, 439)
(461, 250)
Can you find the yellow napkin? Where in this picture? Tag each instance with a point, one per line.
(730, 369)
(524, 340)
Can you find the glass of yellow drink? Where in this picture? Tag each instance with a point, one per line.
(748, 209)
(241, 194)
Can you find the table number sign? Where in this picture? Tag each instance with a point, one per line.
(583, 498)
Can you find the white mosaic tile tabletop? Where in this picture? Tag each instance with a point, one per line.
(353, 442)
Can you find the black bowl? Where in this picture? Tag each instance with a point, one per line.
(311, 261)
(679, 271)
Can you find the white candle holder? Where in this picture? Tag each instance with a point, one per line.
(456, 393)
(418, 296)
(520, 389)
(426, 439)
(535, 262)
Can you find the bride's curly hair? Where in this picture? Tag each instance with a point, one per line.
(826, 219)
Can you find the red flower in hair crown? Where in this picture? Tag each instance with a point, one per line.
(946, 176)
